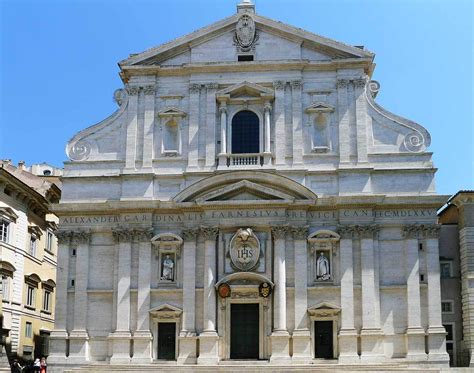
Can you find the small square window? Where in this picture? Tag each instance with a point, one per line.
(446, 269)
(245, 58)
(28, 330)
(73, 282)
(447, 306)
(73, 252)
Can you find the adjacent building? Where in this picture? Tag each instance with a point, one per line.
(457, 271)
(28, 250)
(249, 200)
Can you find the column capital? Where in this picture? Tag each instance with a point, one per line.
(346, 231)
(300, 233)
(296, 84)
(209, 233)
(360, 82)
(411, 231)
(212, 86)
(223, 108)
(143, 235)
(430, 231)
(267, 106)
(194, 88)
(149, 89)
(80, 237)
(189, 234)
(279, 85)
(279, 231)
(367, 231)
(132, 90)
(64, 237)
(342, 83)
(122, 235)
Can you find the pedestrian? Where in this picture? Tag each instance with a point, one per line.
(37, 365)
(16, 367)
(43, 365)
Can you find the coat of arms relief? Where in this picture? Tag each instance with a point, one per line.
(245, 35)
(244, 250)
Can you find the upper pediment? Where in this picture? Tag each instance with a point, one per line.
(226, 33)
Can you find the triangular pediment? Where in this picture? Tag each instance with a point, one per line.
(245, 190)
(166, 308)
(172, 111)
(245, 89)
(181, 46)
(319, 107)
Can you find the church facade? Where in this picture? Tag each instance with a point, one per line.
(249, 199)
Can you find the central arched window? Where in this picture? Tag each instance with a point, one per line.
(245, 133)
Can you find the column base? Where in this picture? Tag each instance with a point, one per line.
(78, 347)
(416, 345)
(187, 348)
(222, 157)
(208, 348)
(142, 340)
(280, 341)
(348, 346)
(58, 346)
(371, 346)
(267, 158)
(437, 346)
(120, 340)
(301, 347)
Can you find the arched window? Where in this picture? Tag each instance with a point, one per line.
(171, 136)
(245, 133)
(320, 135)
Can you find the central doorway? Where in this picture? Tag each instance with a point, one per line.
(167, 340)
(244, 331)
(323, 340)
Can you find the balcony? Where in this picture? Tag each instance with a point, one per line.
(247, 160)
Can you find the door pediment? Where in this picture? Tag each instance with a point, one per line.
(242, 191)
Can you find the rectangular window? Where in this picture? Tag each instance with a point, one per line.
(30, 296)
(446, 269)
(4, 225)
(450, 348)
(47, 300)
(33, 243)
(447, 306)
(245, 58)
(49, 241)
(28, 330)
(5, 287)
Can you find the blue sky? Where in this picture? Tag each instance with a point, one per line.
(58, 64)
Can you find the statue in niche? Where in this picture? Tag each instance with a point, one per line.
(322, 267)
(167, 269)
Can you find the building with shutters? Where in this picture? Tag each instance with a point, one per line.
(249, 200)
(28, 251)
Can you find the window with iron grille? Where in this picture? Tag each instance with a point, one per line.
(245, 133)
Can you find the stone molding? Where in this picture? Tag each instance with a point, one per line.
(300, 233)
(279, 85)
(279, 231)
(421, 231)
(209, 233)
(194, 88)
(189, 234)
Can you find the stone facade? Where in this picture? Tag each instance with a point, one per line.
(28, 249)
(314, 234)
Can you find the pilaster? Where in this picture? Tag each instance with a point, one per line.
(59, 336)
(193, 147)
(211, 124)
(344, 135)
(187, 336)
(79, 338)
(415, 333)
(297, 110)
(149, 118)
(121, 337)
(361, 119)
(142, 337)
(301, 335)
(208, 346)
(132, 125)
(348, 333)
(279, 120)
(280, 339)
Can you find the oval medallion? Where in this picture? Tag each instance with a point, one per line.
(245, 31)
(244, 249)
